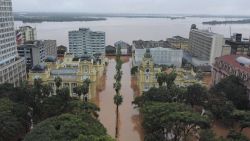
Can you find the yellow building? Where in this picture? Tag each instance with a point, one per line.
(147, 74)
(73, 71)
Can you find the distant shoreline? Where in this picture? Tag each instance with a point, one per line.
(57, 19)
(71, 17)
(244, 21)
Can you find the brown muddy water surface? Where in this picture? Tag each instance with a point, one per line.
(129, 120)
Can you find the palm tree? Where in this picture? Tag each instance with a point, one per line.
(58, 82)
(117, 86)
(87, 81)
(85, 89)
(118, 99)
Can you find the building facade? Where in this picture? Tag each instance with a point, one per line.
(147, 74)
(110, 50)
(161, 56)
(237, 65)
(238, 45)
(150, 44)
(34, 53)
(179, 42)
(126, 49)
(84, 41)
(205, 45)
(12, 67)
(50, 48)
(73, 71)
(25, 33)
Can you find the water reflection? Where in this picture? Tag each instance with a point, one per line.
(129, 119)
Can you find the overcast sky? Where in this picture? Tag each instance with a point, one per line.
(215, 7)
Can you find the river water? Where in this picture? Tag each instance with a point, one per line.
(129, 29)
(129, 120)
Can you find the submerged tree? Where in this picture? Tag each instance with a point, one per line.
(118, 99)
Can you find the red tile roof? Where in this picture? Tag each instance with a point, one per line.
(231, 60)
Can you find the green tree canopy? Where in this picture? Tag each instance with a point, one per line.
(196, 95)
(68, 127)
(14, 119)
(160, 119)
(233, 89)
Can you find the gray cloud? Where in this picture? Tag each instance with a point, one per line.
(228, 7)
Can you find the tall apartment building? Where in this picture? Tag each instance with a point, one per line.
(35, 52)
(25, 33)
(205, 45)
(12, 67)
(86, 42)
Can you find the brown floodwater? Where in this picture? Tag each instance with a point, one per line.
(129, 119)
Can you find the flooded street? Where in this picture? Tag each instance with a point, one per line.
(129, 120)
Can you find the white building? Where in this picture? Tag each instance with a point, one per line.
(205, 45)
(84, 41)
(161, 56)
(12, 67)
(25, 33)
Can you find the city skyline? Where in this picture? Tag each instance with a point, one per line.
(210, 7)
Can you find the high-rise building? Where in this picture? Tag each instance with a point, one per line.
(205, 45)
(35, 52)
(25, 33)
(86, 42)
(12, 67)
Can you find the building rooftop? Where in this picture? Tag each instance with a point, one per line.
(64, 71)
(205, 32)
(232, 42)
(179, 38)
(140, 44)
(238, 61)
(38, 68)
